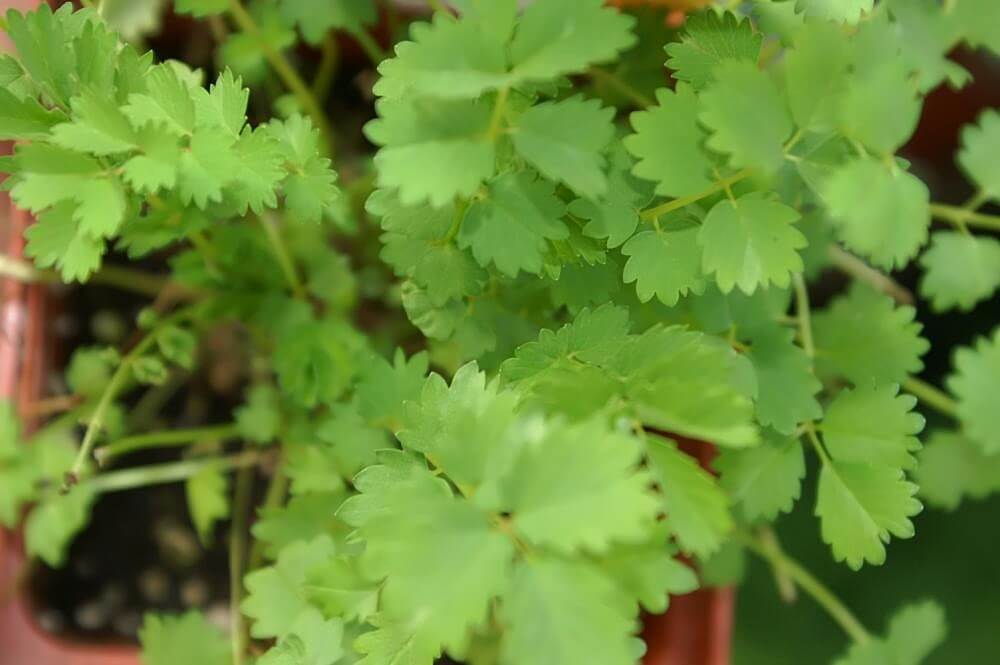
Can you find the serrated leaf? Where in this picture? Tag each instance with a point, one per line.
(156, 166)
(301, 519)
(683, 169)
(54, 522)
(960, 270)
(710, 39)
(914, 632)
(209, 166)
(564, 141)
(616, 216)
(952, 468)
(766, 480)
(751, 242)
(665, 263)
(542, 632)
(510, 228)
(880, 107)
(579, 487)
(650, 572)
(55, 240)
(816, 74)
(747, 116)
(259, 418)
(223, 105)
(866, 338)
(187, 638)
(385, 387)
(311, 640)
(975, 382)
(860, 507)
(316, 20)
(882, 213)
(873, 425)
(980, 143)
(167, 102)
(98, 127)
(842, 11)
(786, 387)
(566, 36)
(207, 500)
(696, 507)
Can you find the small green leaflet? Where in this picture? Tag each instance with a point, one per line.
(842, 11)
(879, 212)
(665, 263)
(54, 522)
(816, 74)
(914, 632)
(766, 480)
(960, 270)
(786, 387)
(186, 638)
(751, 242)
(207, 501)
(975, 382)
(709, 39)
(873, 425)
(980, 143)
(952, 468)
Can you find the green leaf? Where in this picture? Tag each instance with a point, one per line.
(914, 632)
(56, 240)
(201, 8)
(952, 467)
(150, 370)
(167, 102)
(786, 387)
(567, 36)
(841, 11)
(339, 588)
(393, 643)
(980, 143)
(616, 216)
(764, 481)
(186, 638)
(223, 105)
(747, 116)
(316, 20)
(311, 640)
(816, 74)
(564, 141)
(98, 127)
(25, 118)
(427, 66)
(697, 509)
(275, 597)
(751, 242)
(540, 630)
(882, 213)
(40, 39)
(866, 338)
(441, 559)
(302, 519)
(353, 441)
(860, 506)
(210, 165)
(259, 419)
(177, 345)
(880, 107)
(960, 270)
(432, 150)
(463, 428)
(683, 169)
(650, 572)
(578, 487)
(975, 382)
(207, 501)
(665, 263)
(54, 522)
(310, 185)
(156, 167)
(512, 226)
(709, 39)
(873, 425)
(385, 388)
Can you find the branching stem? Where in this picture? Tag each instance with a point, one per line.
(658, 211)
(962, 216)
(159, 474)
(284, 257)
(861, 271)
(932, 396)
(165, 438)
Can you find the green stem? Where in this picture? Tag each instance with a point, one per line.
(126, 279)
(961, 216)
(456, 222)
(116, 383)
(806, 581)
(159, 474)
(166, 438)
(720, 185)
(804, 317)
(372, 48)
(931, 396)
(327, 67)
(604, 77)
(277, 488)
(861, 271)
(237, 554)
(283, 256)
(496, 121)
(286, 72)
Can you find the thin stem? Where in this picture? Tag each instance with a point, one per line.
(283, 256)
(126, 279)
(456, 222)
(116, 383)
(165, 438)
(159, 474)
(237, 554)
(959, 216)
(806, 581)
(861, 271)
(804, 317)
(677, 204)
(372, 48)
(604, 77)
(286, 72)
(810, 431)
(784, 583)
(327, 67)
(496, 120)
(931, 396)
(277, 488)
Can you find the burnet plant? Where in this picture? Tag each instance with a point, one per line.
(602, 257)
